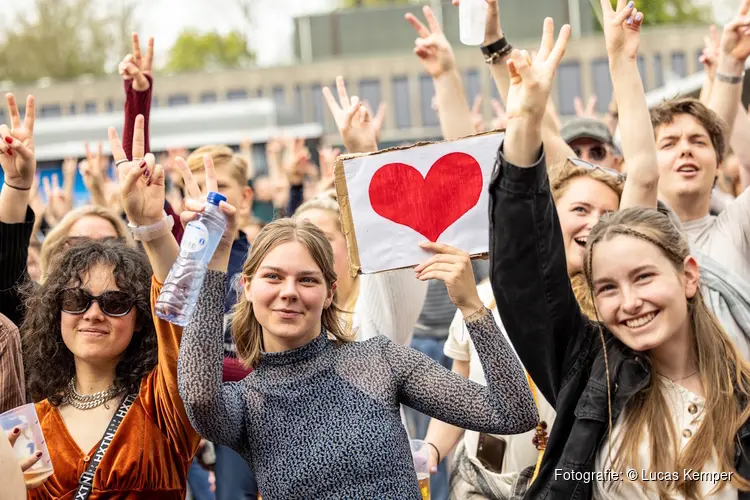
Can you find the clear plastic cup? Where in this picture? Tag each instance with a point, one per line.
(472, 19)
(420, 453)
(30, 441)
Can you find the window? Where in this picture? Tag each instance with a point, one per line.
(298, 104)
(259, 92)
(602, 84)
(207, 97)
(402, 101)
(369, 90)
(658, 71)
(678, 64)
(72, 108)
(178, 100)
(236, 94)
(48, 110)
(426, 93)
(473, 84)
(317, 102)
(278, 96)
(568, 87)
(89, 107)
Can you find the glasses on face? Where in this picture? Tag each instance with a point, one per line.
(590, 166)
(596, 153)
(113, 303)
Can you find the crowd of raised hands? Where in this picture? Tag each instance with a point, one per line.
(137, 184)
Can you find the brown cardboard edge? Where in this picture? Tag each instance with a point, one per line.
(342, 193)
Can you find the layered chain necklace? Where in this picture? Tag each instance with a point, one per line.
(88, 401)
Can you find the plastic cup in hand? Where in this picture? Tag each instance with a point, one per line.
(30, 441)
(472, 18)
(420, 453)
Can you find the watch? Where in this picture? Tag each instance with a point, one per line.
(157, 230)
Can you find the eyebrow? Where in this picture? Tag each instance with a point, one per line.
(699, 135)
(633, 272)
(301, 273)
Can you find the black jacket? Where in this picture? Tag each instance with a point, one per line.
(14, 250)
(558, 345)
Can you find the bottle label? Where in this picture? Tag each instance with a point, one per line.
(195, 237)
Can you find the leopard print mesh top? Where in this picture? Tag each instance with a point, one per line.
(322, 421)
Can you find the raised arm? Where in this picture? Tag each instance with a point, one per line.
(505, 405)
(136, 70)
(436, 54)
(528, 266)
(622, 32)
(734, 49)
(16, 218)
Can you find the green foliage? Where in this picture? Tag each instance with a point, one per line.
(194, 51)
(665, 11)
(60, 39)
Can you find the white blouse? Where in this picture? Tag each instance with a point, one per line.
(686, 411)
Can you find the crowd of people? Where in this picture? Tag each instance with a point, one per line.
(608, 332)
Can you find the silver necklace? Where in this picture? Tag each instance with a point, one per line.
(88, 401)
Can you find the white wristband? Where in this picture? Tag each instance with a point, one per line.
(157, 230)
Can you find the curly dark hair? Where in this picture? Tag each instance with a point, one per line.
(48, 362)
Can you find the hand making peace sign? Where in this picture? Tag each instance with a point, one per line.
(17, 145)
(136, 67)
(622, 29)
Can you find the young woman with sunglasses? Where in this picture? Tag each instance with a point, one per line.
(93, 350)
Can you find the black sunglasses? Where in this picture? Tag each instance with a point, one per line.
(596, 153)
(590, 166)
(113, 303)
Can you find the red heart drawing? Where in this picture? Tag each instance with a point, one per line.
(431, 204)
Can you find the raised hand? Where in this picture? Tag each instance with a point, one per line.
(352, 119)
(377, 118)
(622, 29)
(735, 39)
(135, 67)
(327, 165)
(17, 145)
(142, 186)
(585, 112)
(710, 56)
(492, 30)
(297, 162)
(501, 117)
(432, 47)
(453, 267)
(531, 80)
(476, 115)
(59, 202)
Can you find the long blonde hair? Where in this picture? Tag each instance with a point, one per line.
(246, 330)
(725, 375)
(560, 177)
(53, 246)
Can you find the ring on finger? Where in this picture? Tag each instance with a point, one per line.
(120, 162)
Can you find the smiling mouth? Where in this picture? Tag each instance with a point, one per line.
(641, 321)
(92, 332)
(581, 242)
(688, 169)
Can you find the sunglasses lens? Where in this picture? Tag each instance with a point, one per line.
(74, 301)
(116, 303)
(598, 153)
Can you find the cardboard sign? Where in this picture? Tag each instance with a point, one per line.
(395, 199)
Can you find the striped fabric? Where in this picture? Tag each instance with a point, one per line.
(12, 383)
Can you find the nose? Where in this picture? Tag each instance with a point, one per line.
(631, 302)
(94, 313)
(686, 149)
(289, 289)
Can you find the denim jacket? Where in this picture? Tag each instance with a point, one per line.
(559, 346)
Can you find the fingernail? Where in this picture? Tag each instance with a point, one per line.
(16, 430)
(630, 20)
(638, 17)
(9, 140)
(38, 454)
(143, 164)
(630, 5)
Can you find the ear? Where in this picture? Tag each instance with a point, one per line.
(692, 276)
(247, 198)
(246, 287)
(329, 298)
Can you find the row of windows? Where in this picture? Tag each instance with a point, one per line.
(569, 86)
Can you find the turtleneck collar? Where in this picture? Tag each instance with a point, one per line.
(305, 352)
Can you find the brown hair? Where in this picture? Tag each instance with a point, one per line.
(725, 375)
(560, 177)
(53, 247)
(224, 158)
(666, 112)
(246, 331)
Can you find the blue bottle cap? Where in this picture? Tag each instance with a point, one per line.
(215, 198)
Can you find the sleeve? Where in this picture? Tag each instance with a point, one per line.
(216, 410)
(296, 197)
(160, 396)
(457, 344)
(14, 251)
(389, 304)
(136, 103)
(12, 382)
(529, 275)
(504, 406)
(734, 221)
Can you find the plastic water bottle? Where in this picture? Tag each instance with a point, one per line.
(472, 16)
(180, 291)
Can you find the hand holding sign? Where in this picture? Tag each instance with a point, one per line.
(453, 267)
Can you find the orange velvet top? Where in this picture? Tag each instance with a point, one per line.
(152, 449)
